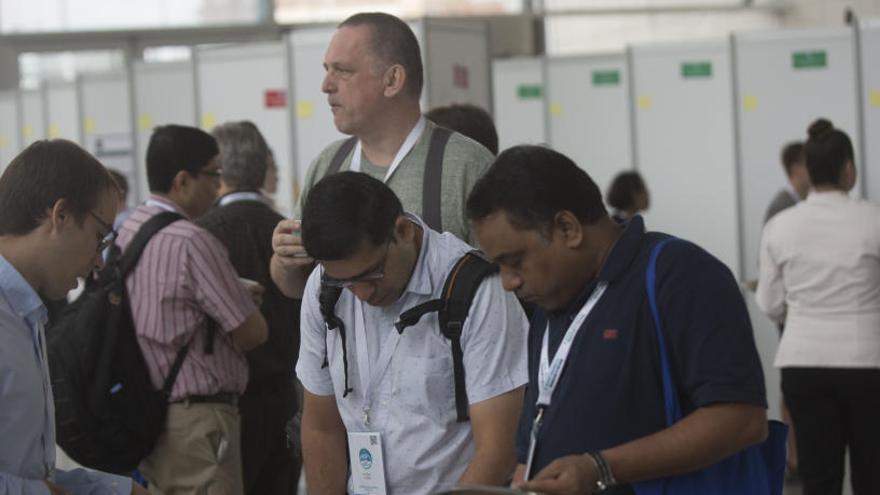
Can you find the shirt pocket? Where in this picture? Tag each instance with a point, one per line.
(426, 386)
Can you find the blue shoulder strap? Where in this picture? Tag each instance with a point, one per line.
(670, 400)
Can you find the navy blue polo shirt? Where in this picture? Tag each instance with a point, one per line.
(610, 391)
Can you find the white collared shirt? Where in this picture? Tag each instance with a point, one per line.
(820, 272)
(425, 449)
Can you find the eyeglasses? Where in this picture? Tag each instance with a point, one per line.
(109, 237)
(377, 272)
(210, 173)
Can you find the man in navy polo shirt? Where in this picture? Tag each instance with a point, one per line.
(595, 387)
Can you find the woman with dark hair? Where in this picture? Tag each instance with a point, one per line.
(627, 196)
(820, 271)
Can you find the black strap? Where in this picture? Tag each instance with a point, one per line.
(327, 299)
(341, 154)
(433, 179)
(412, 316)
(135, 248)
(175, 369)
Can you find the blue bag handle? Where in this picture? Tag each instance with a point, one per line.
(670, 401)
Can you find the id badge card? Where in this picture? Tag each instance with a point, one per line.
(367, 463)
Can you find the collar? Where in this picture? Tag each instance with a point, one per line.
(165, 204)
(241, 195)
(421, 282)
(22, 298)
(622, 254)
(792, 193)
(835, 196)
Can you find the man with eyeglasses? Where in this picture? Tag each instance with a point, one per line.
(386, 396)
(184, 290)
(56, 205)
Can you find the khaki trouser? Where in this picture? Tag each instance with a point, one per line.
(199, 453)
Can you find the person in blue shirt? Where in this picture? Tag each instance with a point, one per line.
(57, 205)
(593, 354)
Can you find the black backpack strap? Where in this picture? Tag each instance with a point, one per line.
(412, 316)
(458, 292)
(341, 154)
(433, 179)
(135, 248)
(175, 369)
(327, 299)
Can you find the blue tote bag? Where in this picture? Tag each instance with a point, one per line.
(757, 470)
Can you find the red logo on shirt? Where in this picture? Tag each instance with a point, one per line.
(609, 334)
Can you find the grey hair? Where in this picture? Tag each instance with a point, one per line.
(243, 154)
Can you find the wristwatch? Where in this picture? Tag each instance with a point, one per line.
(606, 477)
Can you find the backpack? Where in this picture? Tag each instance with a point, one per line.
(108, 416)
(431, 182)
(452, 310)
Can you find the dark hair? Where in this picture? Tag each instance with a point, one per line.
(174, 148)
(121, 182)
(343, 210)
(827, 151)
(43, 173)
(243, 154)
(532, 184)
(467, 119)
(624, 187)
(792, 153)
(393, 43)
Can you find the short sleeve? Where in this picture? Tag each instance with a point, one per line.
(494, 342)
(310, 368)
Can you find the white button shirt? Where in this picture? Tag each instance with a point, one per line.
(413, 405)
(820, 272)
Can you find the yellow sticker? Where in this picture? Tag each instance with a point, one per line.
(27, 131)
(750, 103)
(89, 125)
(555, 109)
(305, 109)
(54, 131)
(645, 102)
(875, 98)
(4, 142)
(209, 120)
(145, 122)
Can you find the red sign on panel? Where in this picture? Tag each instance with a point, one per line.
(460, 76)
(274, 98)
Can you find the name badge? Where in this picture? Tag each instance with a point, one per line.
(367, 464)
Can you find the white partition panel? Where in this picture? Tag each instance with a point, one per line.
(314, 128)
(519, 101)
(589, 113)
(870, 66)
(33, 116)
(62, 111)
(107, 120)
(457, 62)
(784, 81)
(10, 141)
(685, 142)
(164, 93)
(250, 82)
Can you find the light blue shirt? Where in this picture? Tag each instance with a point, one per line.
(413, 401)
(27, 412)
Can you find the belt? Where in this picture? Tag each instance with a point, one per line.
(219, 398)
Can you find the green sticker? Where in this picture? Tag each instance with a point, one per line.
(806, 60)
(696, 70)
(529, 91)
(606, 77)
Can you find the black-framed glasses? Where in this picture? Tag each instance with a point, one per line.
(376, 272)
(109, 236)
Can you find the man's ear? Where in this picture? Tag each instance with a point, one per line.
(394, 80)
(569, 228)
(60, 215)
(402, 228)
(181, 181)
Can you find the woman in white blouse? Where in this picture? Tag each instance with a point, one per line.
(820, 272)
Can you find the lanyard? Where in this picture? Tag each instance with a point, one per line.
(550, 372)
(407, 145)
(241, 196)
(369, 376)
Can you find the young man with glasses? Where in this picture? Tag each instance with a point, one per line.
(56, 205)
(386, 396)
(185, 291)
